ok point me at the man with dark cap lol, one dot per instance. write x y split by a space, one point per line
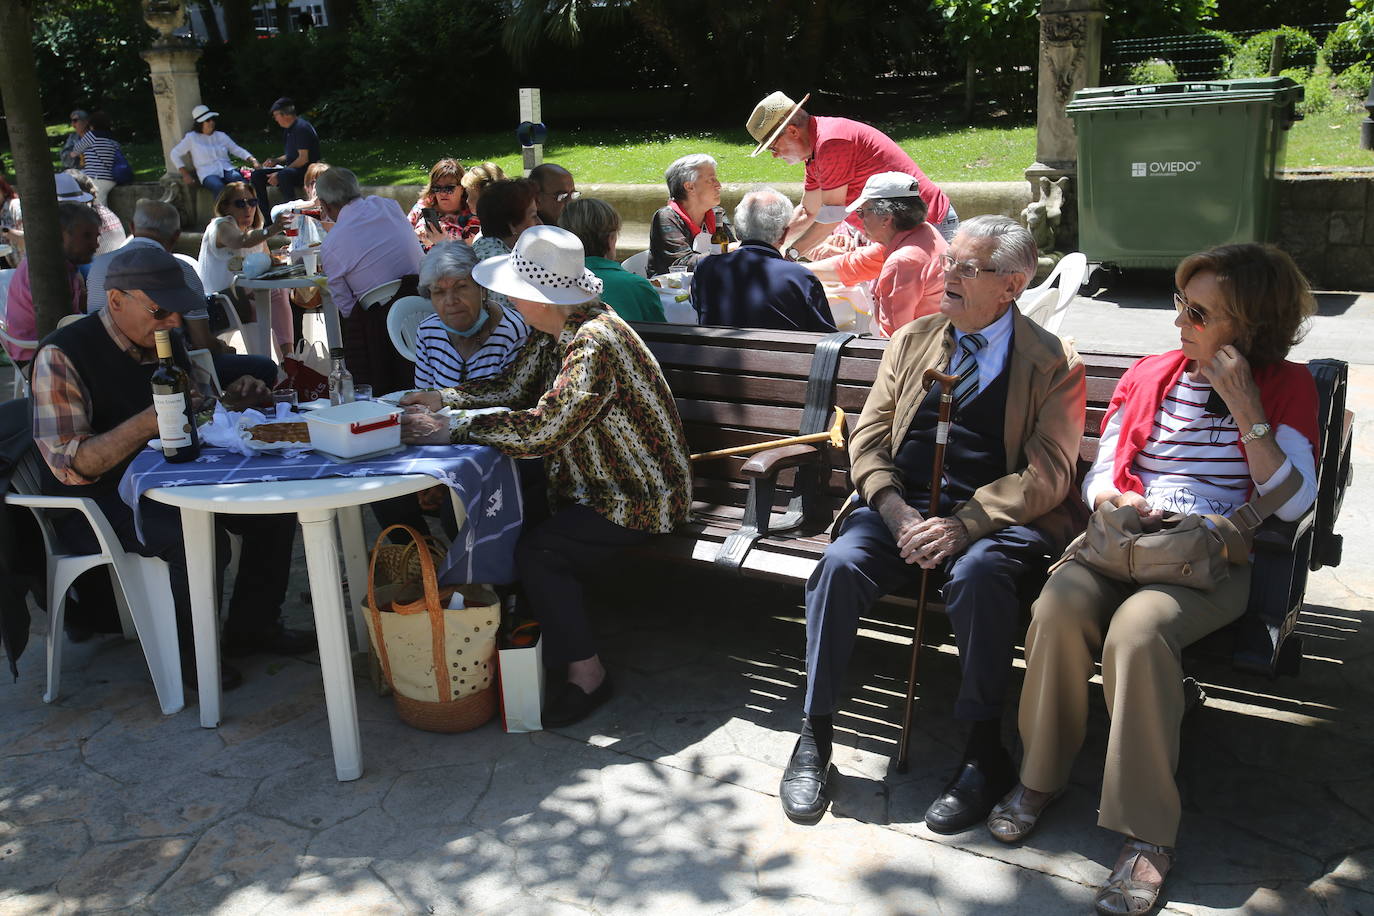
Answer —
93 412
301 147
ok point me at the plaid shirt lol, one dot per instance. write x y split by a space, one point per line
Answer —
62 405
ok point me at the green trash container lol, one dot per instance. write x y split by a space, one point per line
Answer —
1168 169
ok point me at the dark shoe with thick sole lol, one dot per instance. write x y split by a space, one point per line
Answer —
802 790
571 704
229 677
277 640
969 798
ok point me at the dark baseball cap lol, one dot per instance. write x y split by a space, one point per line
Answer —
279 104
157 274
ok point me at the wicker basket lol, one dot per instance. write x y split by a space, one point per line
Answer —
418 641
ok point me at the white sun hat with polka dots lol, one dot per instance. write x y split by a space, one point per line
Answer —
547 265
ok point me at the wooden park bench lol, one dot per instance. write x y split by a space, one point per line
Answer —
769 514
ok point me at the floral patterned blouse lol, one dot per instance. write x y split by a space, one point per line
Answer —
457 227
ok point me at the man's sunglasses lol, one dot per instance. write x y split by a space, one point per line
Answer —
444 188
1195 316
158 314
244 203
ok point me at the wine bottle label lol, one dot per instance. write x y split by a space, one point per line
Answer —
172 425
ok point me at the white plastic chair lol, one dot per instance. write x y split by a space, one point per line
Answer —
142 587
1046 309
234 335
379 294
637 263
403 323
21 384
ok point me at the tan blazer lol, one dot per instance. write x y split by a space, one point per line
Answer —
1044 423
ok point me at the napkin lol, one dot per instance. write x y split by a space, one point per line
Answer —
229 429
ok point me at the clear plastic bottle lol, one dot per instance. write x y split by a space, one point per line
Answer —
340 379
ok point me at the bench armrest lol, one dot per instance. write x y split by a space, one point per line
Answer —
770 461
1276 536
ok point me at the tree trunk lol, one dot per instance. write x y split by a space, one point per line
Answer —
52 297
970 73
207 15
283 12
238 22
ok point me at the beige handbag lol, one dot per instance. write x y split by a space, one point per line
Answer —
439 661
1192 550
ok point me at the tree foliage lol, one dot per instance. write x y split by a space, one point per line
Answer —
87 56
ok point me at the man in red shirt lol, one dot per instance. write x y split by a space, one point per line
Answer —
840 155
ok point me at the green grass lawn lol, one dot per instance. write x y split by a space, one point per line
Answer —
948 154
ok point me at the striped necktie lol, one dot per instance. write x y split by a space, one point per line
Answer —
966 367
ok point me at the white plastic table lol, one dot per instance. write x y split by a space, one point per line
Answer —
262 309
316 503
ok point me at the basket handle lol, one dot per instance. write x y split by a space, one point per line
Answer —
430 603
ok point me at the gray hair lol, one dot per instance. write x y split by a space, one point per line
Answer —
763 215
684 170
594 222
906 212
1015 252
84 181
71 214
156 219
337 187
445 260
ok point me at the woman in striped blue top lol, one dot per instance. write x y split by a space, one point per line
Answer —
471 335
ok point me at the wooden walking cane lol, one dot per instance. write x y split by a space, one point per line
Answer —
835 436
946 383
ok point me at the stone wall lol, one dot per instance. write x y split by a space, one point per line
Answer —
1326 222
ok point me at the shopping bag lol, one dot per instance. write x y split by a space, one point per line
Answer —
308 384
314 353
520 667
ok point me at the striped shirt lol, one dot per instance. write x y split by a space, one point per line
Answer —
97 155
438 364
1192 461
595 406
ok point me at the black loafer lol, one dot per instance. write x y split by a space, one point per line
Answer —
571 704
802 790
276 640
970 796
229 677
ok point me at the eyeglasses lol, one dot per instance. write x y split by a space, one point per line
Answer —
565 196
966 269
158 314
244 203
444 188
1195 316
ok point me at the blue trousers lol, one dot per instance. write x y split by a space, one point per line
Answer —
290 183
981 593
215 183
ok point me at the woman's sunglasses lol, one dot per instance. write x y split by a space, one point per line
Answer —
1195 316
444 188
244 203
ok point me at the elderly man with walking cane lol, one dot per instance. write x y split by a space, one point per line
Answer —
1017 407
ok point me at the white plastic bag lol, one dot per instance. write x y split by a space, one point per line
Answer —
521 670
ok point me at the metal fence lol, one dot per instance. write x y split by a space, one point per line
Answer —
1194 57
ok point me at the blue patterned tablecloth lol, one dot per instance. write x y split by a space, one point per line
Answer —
485 480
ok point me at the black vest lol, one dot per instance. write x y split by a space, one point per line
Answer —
975 455
118 388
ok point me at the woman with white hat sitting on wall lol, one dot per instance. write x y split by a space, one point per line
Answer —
587 396
209 150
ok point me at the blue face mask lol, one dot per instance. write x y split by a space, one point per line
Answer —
472 331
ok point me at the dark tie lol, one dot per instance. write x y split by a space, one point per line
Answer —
966 367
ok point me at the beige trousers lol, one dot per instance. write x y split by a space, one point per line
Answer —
1146 628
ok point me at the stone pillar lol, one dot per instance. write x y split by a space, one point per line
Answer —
176 86
1070 59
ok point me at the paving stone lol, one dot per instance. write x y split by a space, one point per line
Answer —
450 871
309 796
121 874
357 838
142 742
241 864
34 858
436 797
351 892
168 802
56 795
671 872
52 728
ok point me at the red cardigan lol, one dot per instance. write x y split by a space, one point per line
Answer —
1287 393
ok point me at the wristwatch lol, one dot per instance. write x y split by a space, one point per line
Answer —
792 254
1258 431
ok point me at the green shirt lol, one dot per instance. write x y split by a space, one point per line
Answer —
633 297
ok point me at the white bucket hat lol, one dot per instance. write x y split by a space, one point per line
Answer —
885 185
68 189
769 117
202 113
547 265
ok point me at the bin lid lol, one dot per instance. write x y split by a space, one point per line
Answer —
1277 90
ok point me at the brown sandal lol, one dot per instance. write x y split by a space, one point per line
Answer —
1126 895
1013 819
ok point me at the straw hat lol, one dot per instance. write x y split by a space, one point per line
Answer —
202 113
548 265
769 118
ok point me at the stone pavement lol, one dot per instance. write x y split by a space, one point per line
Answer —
666 800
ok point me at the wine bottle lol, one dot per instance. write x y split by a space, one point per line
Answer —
721 237
176 424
